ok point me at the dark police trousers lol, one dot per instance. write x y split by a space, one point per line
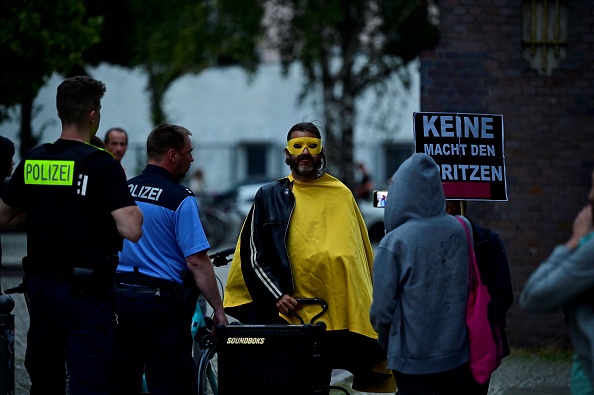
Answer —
72 329
152 335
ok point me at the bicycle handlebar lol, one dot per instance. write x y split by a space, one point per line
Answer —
19 289
221 258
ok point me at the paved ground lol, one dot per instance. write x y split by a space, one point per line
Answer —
522 373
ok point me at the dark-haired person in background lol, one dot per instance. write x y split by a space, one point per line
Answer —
116 142
6 157
97 142
491 259
6 166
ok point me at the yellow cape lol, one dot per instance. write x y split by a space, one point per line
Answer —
330 254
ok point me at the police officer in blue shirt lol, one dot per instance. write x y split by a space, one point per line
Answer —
77 208
153 331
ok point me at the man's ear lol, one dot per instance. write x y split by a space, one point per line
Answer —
172 155
287 157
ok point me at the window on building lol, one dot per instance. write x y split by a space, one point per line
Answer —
394 155
544 34
254 159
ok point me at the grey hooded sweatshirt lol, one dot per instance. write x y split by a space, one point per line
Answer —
420 275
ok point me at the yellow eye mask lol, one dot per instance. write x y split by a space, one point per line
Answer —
297 145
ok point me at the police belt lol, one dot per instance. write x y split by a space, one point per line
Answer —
63 273
142 280
68 267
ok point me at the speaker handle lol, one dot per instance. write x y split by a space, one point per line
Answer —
318 301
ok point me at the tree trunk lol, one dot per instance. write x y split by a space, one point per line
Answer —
339 114
347 117
157 88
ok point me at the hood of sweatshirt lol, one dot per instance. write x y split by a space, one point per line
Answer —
415 192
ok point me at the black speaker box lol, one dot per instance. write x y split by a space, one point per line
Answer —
272 359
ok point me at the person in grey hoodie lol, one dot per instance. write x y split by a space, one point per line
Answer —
565 280
420 288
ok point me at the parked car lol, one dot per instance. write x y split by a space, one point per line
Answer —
241 195
222 214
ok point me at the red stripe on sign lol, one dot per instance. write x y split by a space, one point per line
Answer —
467 190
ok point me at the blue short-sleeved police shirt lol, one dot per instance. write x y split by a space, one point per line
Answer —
171 230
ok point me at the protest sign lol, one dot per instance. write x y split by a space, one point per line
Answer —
468 148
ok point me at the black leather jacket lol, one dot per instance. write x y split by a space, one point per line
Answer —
264 259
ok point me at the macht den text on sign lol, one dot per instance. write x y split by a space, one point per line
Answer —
468 148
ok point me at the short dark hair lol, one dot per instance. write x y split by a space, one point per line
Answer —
97 142
6 154
163 138
304 127
106 139
312 128
76 96
456 207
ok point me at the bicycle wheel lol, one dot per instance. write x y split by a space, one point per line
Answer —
208 372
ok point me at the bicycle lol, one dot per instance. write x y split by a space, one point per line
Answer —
220 220
207 344
209 365
205 350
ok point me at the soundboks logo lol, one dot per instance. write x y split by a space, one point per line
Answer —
245 340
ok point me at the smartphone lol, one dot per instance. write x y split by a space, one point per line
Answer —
379 198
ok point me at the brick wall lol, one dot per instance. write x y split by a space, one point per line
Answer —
478 66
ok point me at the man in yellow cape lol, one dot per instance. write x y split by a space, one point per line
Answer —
304 237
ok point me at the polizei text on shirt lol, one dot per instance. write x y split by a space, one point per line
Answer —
145 192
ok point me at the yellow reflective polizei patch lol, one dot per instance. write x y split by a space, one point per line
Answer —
49 172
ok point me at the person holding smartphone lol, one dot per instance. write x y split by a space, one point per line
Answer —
420 287
382 200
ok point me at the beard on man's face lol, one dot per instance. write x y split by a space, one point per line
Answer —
307 169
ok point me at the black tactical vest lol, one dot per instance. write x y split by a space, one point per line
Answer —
68 224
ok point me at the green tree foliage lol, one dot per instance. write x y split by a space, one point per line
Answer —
346 47
38 38
170 39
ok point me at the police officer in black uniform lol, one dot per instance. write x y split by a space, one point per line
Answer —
74 199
